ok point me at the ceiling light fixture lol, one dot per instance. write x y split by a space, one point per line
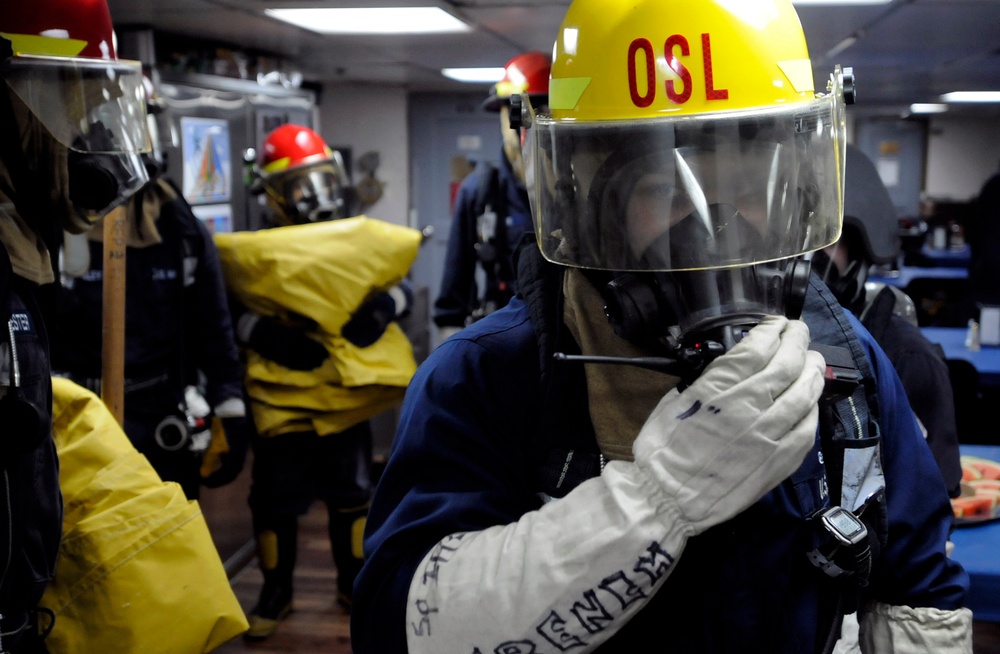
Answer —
474 75
928 108
374 20
971 96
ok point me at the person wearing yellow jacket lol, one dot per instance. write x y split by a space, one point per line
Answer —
298 461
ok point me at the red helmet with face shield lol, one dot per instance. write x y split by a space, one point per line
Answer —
61 74
527 74
304 179
79 28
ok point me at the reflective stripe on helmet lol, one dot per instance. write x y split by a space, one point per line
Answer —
44 45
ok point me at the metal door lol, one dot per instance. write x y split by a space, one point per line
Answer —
444 129
898 149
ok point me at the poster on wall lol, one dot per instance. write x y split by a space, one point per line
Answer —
888 171
218 218
205 154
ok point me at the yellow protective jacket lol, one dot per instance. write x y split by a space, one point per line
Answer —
138 571
323 272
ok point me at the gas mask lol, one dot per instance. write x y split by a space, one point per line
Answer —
80 127
309 194
691 316
692 230
315 196
848 286
100 176
690 308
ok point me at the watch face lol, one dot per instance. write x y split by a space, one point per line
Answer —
844 523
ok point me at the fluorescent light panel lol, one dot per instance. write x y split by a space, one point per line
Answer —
476 75
375 20
928 108
971 96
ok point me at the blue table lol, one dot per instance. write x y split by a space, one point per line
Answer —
952 340
952 258
977 548
907 274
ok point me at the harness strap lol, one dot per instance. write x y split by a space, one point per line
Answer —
488 190
856 417
492 247
850 441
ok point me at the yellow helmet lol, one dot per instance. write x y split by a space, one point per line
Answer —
623 60
676 125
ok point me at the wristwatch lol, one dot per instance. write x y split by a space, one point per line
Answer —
849 553
844 525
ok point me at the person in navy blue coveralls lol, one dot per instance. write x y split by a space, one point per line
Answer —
673 438
182 367
491 212
870 237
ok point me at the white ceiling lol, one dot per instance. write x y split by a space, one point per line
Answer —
906 51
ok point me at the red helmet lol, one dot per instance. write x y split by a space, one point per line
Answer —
291 146
57 57
60 28
64 68
526 73
304 179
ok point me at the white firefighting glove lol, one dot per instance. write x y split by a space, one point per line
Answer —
889 629
741 428
572 573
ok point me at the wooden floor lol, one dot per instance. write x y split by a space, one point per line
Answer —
317 624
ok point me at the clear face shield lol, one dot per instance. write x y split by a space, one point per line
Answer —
163 136
699 221
96 110
314 193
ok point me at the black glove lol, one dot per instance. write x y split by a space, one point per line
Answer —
286 346
223 462
370 321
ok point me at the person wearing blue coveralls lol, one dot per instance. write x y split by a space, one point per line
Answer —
182 366
871 236
305 181
674 437
491 212
71 127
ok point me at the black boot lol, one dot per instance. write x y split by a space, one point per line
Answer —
276 548
347 527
